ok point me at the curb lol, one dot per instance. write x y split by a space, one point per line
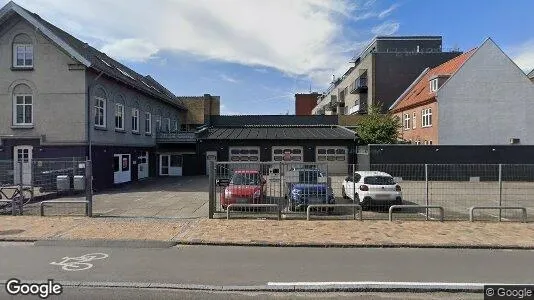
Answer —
335 245
169 244
414 287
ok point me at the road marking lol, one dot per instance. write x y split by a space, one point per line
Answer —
389 285
79 263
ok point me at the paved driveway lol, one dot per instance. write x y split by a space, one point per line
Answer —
180 197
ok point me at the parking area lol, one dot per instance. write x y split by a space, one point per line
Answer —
173 197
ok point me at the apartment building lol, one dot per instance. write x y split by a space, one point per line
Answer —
478 98
381 73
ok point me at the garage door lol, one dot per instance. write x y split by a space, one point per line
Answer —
244 154
287 153
335 157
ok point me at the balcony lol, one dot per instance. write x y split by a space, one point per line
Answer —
179 137
359 85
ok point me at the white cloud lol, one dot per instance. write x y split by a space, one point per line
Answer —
306 37
388 11
523 55
386 28
229 78
130 49
225 111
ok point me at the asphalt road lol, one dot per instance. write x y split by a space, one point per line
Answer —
242 266
134 294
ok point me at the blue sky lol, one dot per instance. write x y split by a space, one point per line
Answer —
257 54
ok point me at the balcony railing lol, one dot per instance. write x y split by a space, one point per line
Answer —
176 137
359 85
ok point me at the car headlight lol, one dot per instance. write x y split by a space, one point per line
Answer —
296 193
227 193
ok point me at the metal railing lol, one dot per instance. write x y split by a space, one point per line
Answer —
453 187
250 207
356 208
500 208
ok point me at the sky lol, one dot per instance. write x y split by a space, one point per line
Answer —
257 54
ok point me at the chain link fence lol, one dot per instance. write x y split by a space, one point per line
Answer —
289 188
25 183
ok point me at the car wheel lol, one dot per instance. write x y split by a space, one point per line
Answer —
365 204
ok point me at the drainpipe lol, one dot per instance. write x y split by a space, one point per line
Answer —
89 173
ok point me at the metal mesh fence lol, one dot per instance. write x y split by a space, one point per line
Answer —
33 181
455 187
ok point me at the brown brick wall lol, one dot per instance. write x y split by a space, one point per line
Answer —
419 133
304 103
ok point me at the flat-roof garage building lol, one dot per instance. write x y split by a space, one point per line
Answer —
297 139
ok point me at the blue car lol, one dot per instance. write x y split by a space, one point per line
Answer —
308 186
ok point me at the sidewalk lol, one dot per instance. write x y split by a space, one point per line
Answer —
270 232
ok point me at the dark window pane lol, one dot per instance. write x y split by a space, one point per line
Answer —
277 151
331 151
340 151
28 113
116 164
321 151
379 180
176 161
234 151
253 151
297 151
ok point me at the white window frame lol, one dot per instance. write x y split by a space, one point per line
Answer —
426 117
406 121
119 113
329 157
26 47
100 109
148 123
433 85
293 157
246 156
135 120
414 118
23 104
167 125
158 124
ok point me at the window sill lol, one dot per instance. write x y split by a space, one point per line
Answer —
21 68
148 133
120 130
100 128
22 126
136 132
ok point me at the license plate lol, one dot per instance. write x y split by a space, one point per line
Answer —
382 196
241 200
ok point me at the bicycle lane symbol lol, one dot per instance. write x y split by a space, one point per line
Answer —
79 263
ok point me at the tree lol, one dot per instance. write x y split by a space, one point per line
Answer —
378 128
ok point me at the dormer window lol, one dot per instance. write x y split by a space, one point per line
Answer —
433 85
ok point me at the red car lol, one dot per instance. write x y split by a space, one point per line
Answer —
245 186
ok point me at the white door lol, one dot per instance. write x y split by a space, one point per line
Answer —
142 166
164 161
210 156
170 165
122 169
22 154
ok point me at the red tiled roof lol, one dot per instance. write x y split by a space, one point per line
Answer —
420 91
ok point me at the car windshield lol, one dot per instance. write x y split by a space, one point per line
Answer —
379 180
245 179
309 176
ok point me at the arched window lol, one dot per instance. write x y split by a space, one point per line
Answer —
22 105
22 51
135 117
119 113
100 108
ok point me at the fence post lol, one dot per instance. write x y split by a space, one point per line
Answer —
211 206
89 188
500 191
282 195
426 190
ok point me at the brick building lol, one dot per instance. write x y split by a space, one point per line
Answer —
304 103
478 98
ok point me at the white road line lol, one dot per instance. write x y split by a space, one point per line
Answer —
385 283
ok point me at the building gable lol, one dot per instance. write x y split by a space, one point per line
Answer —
489 100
